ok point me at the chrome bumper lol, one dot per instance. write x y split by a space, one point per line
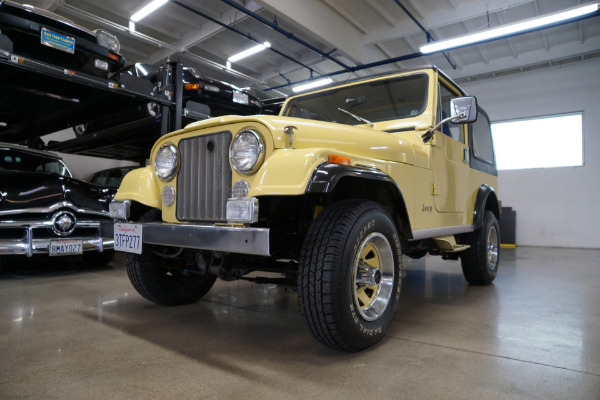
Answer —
30 246
202 237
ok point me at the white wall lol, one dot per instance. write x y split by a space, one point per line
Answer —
556 207
82 166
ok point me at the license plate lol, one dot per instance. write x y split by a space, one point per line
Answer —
128 238
58 41
65 247
239 97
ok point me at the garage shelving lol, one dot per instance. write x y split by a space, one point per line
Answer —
38 99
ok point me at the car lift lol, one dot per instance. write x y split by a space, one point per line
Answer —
38 99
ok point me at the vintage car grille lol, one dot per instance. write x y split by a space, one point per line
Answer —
204 180
44 227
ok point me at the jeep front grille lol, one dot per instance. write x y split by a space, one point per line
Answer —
204 180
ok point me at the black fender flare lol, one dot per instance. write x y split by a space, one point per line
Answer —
326 176
486 199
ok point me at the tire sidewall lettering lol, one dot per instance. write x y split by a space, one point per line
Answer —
384 226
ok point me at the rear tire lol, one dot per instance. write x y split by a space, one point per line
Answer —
350 274
480 261
152 278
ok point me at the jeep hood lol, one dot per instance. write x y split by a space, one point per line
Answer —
364 140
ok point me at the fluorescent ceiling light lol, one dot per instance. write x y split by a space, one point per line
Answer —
140 66
312 85
148 9
249 52
512 29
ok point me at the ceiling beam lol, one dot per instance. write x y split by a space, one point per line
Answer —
555 54
436 19
357 24
542 34
508 40
207 29
317 19
382 12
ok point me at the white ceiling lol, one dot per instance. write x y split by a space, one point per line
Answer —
334 36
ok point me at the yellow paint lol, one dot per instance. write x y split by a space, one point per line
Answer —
438 186
367 294
140 185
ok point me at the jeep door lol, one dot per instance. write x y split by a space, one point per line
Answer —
450 158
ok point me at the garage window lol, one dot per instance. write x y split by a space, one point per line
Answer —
542 142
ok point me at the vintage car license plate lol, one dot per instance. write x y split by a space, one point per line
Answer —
58 41
128 238
239 97
65 247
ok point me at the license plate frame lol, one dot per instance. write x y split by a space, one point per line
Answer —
65 247
57 41
128 237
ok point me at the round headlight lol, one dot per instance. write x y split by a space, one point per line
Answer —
246 152
166 162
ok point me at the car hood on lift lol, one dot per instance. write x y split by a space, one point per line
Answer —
24 190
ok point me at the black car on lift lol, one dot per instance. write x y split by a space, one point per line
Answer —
202 98
44 210
41 35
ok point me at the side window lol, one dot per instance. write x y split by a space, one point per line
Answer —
454 131
114 178
100 179
483 147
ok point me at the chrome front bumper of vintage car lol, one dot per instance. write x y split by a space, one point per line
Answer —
28 244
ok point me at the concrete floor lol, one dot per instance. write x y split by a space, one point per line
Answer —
68 331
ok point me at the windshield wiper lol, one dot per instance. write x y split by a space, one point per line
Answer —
356 117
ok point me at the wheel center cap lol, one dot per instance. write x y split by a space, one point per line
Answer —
377 277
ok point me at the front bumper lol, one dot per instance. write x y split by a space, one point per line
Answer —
227 239
30 246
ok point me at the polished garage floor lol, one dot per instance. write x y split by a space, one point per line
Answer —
72 332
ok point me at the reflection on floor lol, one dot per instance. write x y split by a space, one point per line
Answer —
72 331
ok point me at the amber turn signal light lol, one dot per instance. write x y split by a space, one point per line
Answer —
333 159
113 56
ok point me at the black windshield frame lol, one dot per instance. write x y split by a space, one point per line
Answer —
380 100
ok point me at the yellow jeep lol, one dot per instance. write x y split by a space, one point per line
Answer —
325 197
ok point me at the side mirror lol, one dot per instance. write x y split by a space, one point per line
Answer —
463 110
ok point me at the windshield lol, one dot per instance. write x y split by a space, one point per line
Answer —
383 100
15 160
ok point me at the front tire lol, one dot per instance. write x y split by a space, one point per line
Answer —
480 261
350 275
155 281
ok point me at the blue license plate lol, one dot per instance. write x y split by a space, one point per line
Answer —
58 41
65 247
